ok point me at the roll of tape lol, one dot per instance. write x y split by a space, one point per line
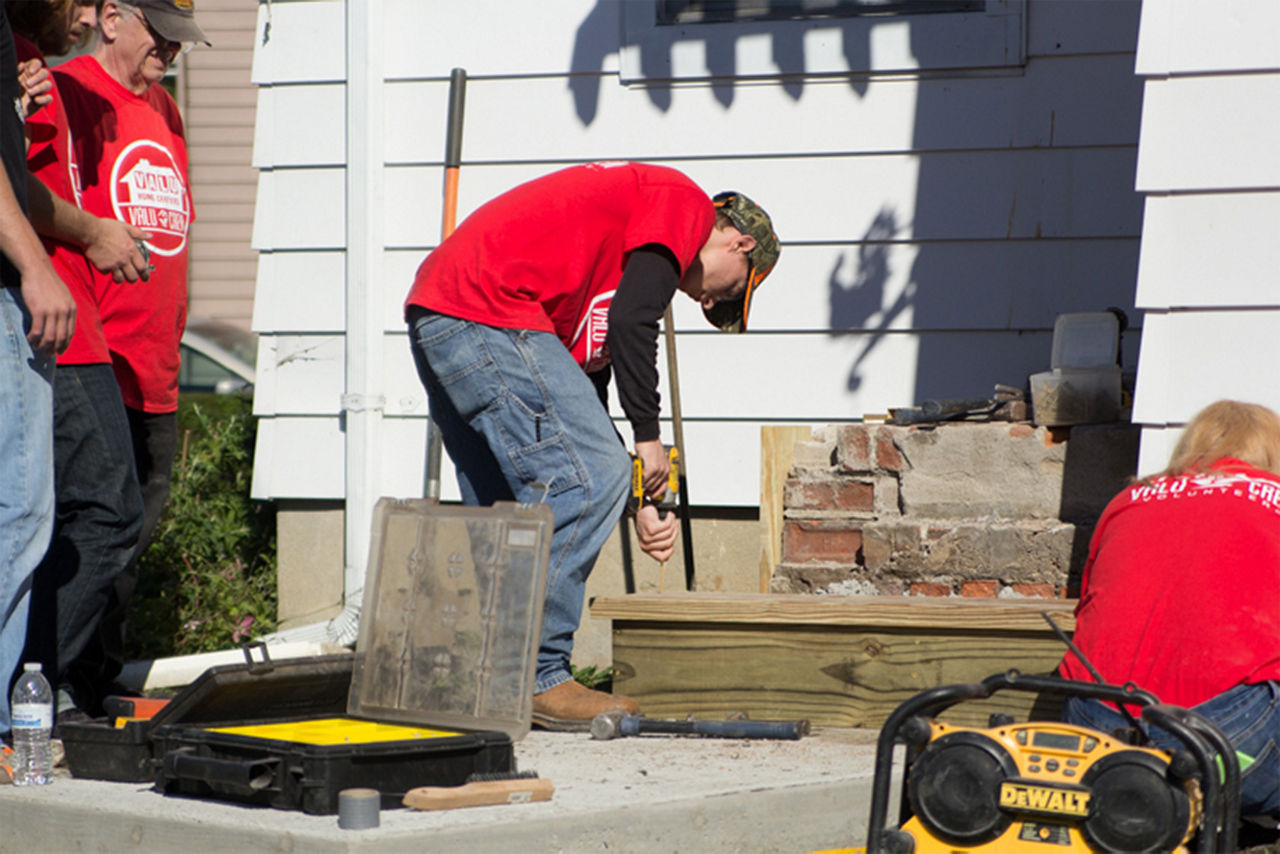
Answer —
358 808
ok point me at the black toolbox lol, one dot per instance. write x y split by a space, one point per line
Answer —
122 750
440 687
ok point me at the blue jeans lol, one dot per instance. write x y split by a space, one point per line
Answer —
520 419
1249 715
99 514
26 480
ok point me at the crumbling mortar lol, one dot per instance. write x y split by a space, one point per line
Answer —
830 515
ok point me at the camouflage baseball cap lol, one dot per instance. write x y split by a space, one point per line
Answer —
748 218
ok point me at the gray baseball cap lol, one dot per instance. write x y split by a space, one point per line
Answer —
173 19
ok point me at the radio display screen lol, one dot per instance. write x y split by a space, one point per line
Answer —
1056 740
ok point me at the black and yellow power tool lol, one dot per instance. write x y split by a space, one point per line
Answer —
670 500
1044 787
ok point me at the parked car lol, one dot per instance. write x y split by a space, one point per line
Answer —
217 357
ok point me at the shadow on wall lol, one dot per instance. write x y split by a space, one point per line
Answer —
597 38
861 303
989 241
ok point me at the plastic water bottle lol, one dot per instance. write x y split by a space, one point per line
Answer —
31 709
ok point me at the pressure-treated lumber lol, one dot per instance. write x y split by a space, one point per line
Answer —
777 452
838 661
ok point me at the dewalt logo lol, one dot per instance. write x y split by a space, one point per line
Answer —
1045 800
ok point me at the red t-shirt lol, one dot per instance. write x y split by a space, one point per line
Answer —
548 254
132 159
1181 591
50 160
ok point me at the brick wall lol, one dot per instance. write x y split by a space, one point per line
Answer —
960 509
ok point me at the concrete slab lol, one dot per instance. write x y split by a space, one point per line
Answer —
647 794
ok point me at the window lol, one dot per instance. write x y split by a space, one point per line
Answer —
692 40
718 11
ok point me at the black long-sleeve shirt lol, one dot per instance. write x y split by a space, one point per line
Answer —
648 283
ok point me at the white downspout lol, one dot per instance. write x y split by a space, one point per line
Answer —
364 400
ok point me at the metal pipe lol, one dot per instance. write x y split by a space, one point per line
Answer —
363 400
448 220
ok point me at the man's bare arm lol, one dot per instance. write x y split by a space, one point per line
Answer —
109 244
53 311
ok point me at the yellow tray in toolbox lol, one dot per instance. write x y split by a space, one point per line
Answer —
335 731
440 687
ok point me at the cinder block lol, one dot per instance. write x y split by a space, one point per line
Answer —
976 471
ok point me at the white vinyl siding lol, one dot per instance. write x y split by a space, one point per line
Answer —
1209 259
933 223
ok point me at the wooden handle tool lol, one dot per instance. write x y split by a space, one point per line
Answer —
487 793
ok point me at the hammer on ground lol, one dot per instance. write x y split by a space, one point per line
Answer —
616 725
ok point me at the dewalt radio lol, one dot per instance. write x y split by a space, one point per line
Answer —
1044 787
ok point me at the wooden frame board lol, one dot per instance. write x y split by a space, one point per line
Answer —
834 660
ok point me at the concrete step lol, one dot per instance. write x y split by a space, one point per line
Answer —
645 794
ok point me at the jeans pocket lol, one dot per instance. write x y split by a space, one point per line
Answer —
453 348
1260 782
548 461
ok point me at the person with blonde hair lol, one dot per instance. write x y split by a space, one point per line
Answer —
1181 591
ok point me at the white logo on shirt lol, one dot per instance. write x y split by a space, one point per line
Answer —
588 345
147 190
1262 490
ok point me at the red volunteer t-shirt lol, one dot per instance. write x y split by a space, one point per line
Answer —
50 160
132 159
548 254
1181 591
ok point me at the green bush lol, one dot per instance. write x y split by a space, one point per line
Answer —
208 579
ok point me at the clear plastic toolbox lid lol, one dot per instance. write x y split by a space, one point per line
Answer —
452 614
1085 340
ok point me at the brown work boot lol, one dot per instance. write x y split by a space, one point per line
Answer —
571 706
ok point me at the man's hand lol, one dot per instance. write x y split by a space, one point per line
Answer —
37 86
112 247
657 535
656 467
52 308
